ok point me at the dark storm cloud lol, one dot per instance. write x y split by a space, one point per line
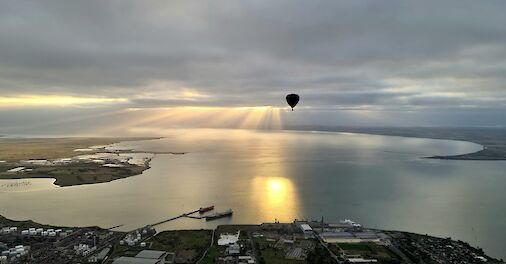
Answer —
241 53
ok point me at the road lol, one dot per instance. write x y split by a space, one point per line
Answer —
207 250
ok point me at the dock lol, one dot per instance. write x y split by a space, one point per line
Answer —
114 227
200 210
176 217
195 217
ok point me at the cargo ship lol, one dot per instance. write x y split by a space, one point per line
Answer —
229 212
206 209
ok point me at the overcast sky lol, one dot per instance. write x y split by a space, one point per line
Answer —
426 58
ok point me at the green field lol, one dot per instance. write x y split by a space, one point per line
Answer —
182 239
269 254
211 255
369 250
277 256
189 245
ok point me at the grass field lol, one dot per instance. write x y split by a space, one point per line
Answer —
211 255
182 239
273 255
188 245
370 250
277 256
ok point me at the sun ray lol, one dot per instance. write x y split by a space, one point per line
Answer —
203 117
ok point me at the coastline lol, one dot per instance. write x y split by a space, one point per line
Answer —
492 140
404 247
82 161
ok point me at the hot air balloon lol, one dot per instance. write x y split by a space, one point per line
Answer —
292 100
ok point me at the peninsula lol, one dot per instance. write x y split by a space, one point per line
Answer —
493 140
71 161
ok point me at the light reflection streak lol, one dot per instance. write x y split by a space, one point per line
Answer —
274 194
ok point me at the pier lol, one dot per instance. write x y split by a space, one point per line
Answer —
177 217
190 215
194 217
114 227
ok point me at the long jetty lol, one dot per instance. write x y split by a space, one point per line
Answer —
114 227
176 217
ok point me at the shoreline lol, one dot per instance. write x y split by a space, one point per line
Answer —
403 246
78 163
492 141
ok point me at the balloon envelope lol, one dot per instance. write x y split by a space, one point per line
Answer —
292 100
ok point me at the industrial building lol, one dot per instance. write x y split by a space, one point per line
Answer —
227 239
144 257
133 260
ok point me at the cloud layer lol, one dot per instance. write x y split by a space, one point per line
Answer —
356 54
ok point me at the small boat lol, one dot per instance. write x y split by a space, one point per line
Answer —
229 212
206 209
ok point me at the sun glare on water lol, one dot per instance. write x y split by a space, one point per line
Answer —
278 199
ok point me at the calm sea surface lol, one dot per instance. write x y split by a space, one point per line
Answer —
382 182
